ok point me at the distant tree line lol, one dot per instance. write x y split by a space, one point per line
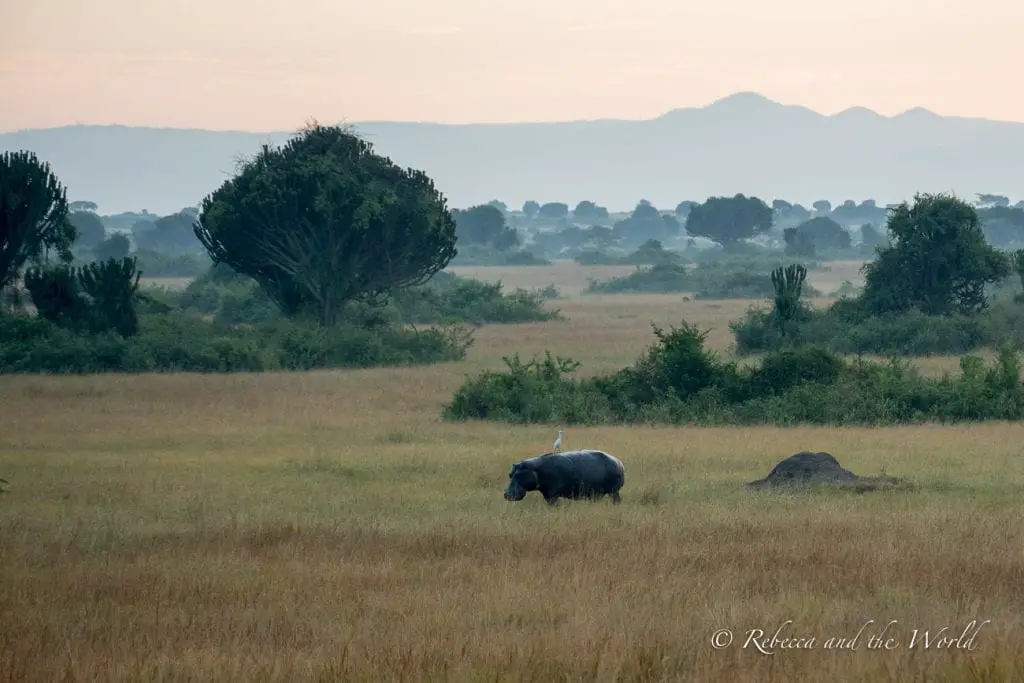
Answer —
849 229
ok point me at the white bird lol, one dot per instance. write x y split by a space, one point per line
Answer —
558 441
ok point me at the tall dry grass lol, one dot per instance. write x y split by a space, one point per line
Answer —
327 526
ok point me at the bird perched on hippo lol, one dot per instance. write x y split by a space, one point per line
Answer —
589 474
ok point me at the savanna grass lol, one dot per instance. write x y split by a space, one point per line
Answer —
328 526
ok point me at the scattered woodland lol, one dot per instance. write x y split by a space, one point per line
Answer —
365 280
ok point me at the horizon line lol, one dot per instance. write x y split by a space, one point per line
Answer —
749 96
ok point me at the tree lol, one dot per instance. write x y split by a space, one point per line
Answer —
872 236
788 284
499 205
141 226
1002 225
672 225
554 210
171 234
324 220
531 209
56 294
1017 264
83 205
652 251
33 214
988 201
784 212
572 237
849 213
111 288
938 261
798 243
728 220
644 211
824 233
683 208
646 223
484 225
600 236
822 206
117 247
95 298
89 230
589 211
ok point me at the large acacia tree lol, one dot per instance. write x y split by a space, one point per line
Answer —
727 220
324 220
33 214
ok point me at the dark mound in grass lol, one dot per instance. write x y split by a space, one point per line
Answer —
817 469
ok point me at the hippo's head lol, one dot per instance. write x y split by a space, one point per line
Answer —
521 480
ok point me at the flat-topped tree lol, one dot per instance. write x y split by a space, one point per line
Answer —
324 220
727 220
83 205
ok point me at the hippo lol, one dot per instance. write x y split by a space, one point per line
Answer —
589 474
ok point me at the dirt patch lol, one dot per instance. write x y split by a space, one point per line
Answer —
821 469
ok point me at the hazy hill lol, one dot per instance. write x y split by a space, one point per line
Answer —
742 143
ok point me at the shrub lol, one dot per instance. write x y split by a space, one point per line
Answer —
179 342
93 298
309 347
159 264
845 328
525 258
749 257
535 391
477 255
679 381
708 280
650 252
660 279
781 371
445 298
472 301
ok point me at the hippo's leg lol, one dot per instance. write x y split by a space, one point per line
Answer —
552 501
616 499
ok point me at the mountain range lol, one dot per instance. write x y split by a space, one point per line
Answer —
742 143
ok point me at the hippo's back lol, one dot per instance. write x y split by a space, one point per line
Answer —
587 465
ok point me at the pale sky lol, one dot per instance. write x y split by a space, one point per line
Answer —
264 65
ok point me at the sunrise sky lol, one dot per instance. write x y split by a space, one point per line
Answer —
269 65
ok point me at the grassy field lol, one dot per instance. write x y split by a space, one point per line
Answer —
572 278
327 526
